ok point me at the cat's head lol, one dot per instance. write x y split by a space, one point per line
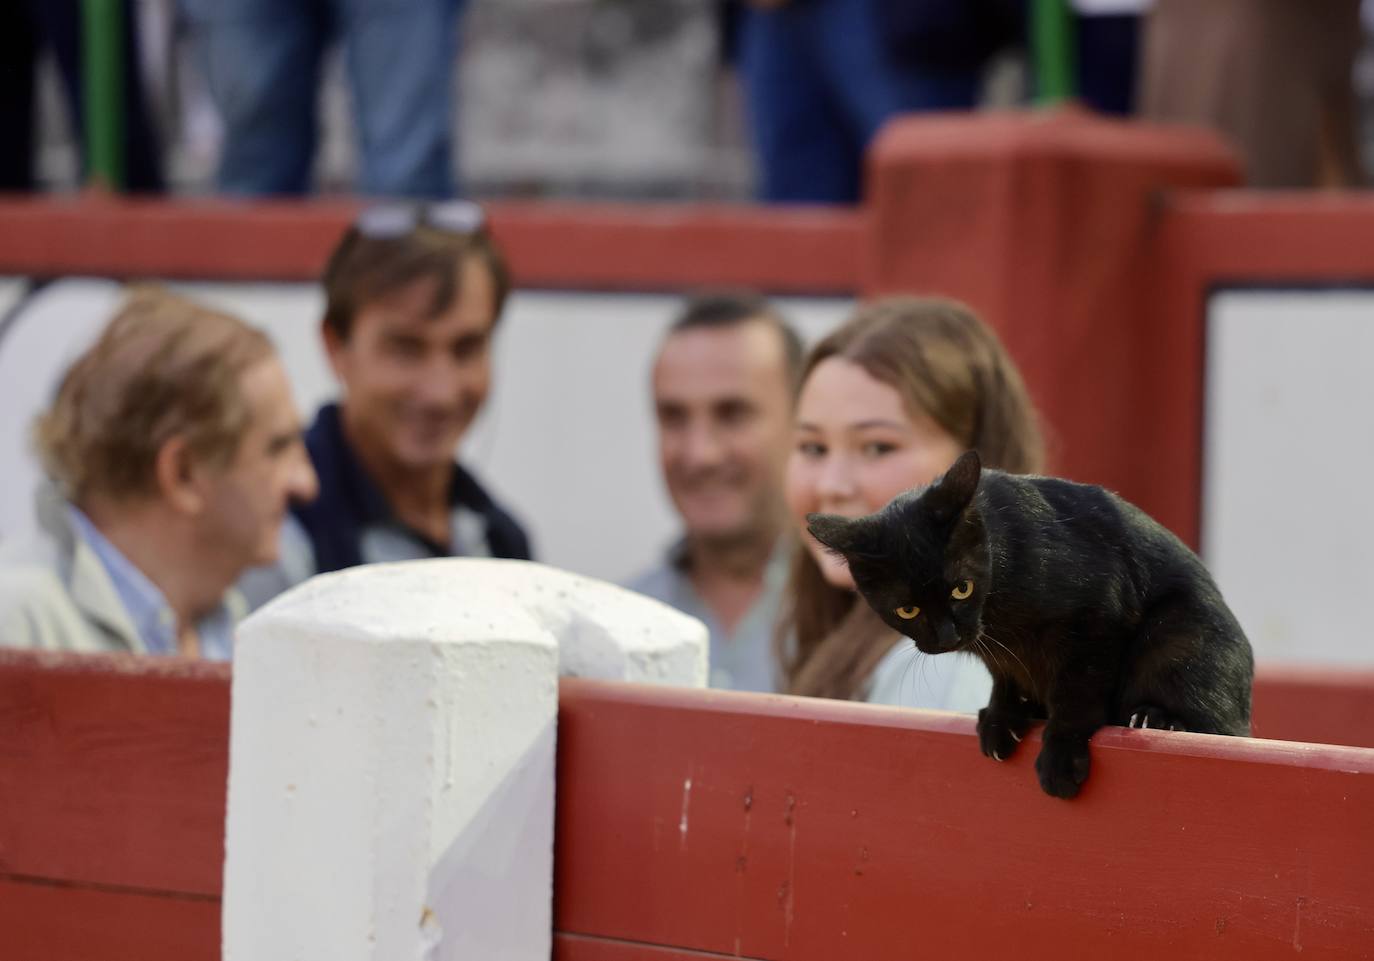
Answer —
922 561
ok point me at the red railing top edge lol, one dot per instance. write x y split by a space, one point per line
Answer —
822 711
1242 202
1270 238
577 692
1316 675
560 244
1069 130
135 665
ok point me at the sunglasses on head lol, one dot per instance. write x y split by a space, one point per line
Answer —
384 221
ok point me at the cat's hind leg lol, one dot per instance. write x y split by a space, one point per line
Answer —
1190 669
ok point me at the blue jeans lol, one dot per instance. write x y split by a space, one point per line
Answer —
819 81
262 61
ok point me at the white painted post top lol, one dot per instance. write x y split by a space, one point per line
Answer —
392 752
601 630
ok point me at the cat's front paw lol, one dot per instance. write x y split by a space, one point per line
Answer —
1063 766
998 733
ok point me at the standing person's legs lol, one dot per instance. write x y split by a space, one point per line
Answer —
261 61
18 57
142 139
869 80
929 53
805 152
401 58
1106 47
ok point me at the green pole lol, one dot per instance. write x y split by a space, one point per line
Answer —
1052 50
102 56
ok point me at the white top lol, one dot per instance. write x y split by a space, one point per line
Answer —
946 682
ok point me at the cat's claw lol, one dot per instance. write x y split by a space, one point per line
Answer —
1154 717
998 734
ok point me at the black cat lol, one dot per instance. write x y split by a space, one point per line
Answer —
1085 610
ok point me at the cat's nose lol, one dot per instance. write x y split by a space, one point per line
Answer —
947 636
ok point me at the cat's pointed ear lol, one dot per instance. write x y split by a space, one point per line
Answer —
843 535
953 492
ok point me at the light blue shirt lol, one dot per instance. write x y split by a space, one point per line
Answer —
742 660
146 606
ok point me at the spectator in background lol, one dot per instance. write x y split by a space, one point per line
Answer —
722 386
173 449
27 29
412 296
1273 76
887 402
822 76
262 61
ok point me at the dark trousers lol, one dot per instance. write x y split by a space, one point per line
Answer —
26 28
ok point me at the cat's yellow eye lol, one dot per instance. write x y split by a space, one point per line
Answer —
962 592
907 613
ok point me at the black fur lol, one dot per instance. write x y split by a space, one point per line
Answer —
1084 609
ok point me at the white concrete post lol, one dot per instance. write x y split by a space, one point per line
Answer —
392 755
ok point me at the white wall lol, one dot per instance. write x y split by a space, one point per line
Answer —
567 439
1288 507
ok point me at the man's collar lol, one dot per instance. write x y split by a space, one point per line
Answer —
141 599
142 602
87 581
334 457
679 557
330 448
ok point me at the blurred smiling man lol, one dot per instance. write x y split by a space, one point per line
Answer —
722 386
413 294
173 450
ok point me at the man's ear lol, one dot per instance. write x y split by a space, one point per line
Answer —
848 536
954 491
177 477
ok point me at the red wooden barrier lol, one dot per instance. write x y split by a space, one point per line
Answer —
1051 227
1212 240
775 828
113 773
1321 705
695 824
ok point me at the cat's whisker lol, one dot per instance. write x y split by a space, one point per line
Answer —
1009 651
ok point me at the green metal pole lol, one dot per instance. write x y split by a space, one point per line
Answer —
1052 50
102 55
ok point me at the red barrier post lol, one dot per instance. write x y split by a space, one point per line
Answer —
1049 225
